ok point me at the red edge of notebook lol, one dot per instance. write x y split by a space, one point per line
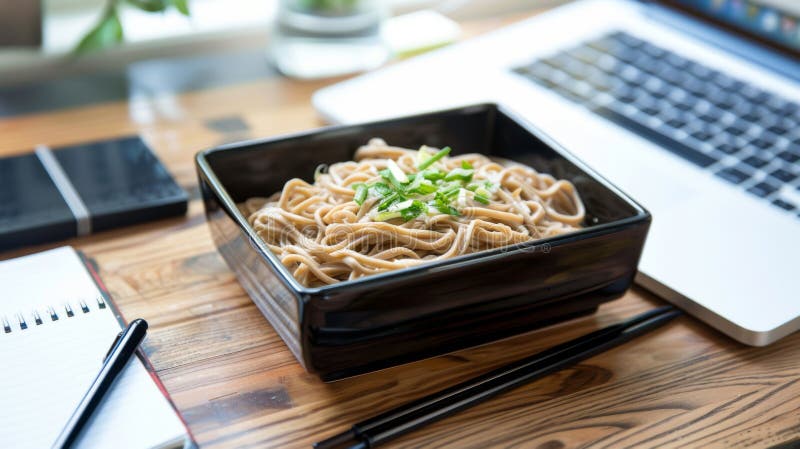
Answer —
87 263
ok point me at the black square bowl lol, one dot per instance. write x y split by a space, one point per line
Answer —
400 316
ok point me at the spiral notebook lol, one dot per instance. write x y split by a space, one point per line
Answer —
57 325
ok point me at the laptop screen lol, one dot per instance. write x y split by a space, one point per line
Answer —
775 22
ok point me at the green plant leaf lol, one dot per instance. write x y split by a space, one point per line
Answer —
107 33
182 6
150 5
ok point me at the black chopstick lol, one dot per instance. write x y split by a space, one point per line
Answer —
408 417
122 350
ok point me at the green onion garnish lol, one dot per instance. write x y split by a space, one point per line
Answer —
407 210
440 154
444 207
459 174
389 176
449 191
398 173
381 189
409 195
415 209
391 199
386 216
425 188
432 174
481 198
420 185
361 193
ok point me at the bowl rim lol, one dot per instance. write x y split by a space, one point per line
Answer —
641 214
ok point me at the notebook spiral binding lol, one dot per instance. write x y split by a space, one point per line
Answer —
38 317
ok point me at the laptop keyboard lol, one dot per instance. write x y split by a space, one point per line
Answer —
745 135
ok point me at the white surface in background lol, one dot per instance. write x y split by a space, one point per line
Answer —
419 30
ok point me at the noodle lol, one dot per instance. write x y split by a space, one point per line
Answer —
394 208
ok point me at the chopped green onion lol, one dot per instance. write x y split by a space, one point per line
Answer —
420 185
472 186
414 210
440 154
397 172
402 205
361 193
466 165
442 199
407 210
389 176
449 191
416 181
425 188
381 189
432 174
481 198
444 207
422 154
459 174
386 216
391 199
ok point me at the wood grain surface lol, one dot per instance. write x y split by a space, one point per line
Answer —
238 386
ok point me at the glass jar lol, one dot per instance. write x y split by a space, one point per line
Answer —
323 38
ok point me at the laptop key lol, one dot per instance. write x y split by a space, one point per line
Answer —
783 175
754 94
755 161
711 116
584 54
701 71
627 39
737 128
778 129
790 109
785 205
727 148
702 135
625 54
676 123
775 104
763 142
762 189
677 61
725 82
789 156
600 82
695 86
536 70
678 148
602 44
733 174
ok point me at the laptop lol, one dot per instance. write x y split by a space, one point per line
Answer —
691 106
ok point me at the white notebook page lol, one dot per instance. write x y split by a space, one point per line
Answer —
47 368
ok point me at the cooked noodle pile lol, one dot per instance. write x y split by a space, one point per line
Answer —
394 208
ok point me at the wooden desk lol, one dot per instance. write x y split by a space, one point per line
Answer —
237 385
